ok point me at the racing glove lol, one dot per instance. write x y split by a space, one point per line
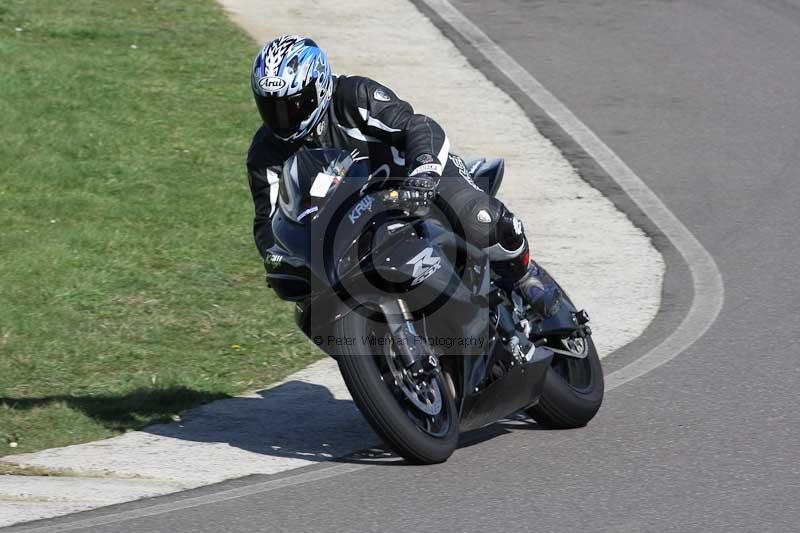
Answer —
421 188
414 194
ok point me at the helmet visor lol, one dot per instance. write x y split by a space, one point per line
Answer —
284 114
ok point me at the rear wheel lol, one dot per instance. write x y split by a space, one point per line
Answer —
417 417
573 388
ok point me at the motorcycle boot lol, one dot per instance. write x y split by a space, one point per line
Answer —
510 260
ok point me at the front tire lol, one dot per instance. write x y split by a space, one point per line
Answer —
573 391
391 415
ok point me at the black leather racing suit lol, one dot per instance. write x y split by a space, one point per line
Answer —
368 117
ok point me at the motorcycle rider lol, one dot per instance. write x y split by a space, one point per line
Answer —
303 105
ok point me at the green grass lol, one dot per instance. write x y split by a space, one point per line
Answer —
130 288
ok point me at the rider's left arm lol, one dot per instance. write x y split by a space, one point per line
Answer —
380 113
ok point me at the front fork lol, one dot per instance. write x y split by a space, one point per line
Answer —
410 347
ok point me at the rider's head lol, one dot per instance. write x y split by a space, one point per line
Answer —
292 84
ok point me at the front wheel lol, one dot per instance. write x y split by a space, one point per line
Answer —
573 388
417 417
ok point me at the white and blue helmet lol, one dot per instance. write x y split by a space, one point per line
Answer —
292 85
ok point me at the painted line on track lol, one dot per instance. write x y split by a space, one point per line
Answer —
709 292
198 501
706 278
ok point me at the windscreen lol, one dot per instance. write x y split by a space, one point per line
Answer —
309 176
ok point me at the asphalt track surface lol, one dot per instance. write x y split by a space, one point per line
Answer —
702 101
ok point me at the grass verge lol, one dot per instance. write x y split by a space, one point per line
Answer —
129 285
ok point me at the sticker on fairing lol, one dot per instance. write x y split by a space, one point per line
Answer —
309 211
425 265
364 205
321 185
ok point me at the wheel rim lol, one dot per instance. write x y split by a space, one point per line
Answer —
577 373
422 399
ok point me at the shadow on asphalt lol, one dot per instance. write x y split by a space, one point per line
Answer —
304 421
383 456
296 419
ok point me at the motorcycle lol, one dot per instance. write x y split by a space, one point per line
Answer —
427 342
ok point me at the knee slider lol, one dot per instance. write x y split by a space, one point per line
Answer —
510 255
508 239
510 232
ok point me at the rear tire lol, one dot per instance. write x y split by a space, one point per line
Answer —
566 401
379 402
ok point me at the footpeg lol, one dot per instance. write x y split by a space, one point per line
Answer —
580 317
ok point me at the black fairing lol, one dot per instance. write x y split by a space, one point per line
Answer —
336 249
290 269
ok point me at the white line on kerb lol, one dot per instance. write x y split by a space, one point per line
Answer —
708 287
198 501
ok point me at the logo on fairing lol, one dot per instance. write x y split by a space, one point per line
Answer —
362 206
309 211
425 265
271 84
